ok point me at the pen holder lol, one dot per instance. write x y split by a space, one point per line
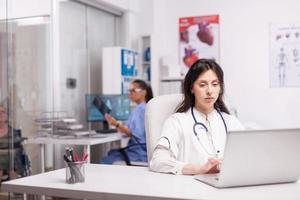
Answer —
75 172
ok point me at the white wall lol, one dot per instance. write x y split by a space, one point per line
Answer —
244 46
117 4
144 14
244 52
3 5
24 8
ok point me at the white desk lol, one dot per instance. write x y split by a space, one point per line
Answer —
138 183
87 142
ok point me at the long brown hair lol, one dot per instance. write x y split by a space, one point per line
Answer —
199 67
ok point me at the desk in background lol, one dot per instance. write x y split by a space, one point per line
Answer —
138 183
87 142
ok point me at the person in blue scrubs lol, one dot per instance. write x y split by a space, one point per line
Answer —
140 93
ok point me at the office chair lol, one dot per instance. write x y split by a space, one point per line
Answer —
127 161
158 110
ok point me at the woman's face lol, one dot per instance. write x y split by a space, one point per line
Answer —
206 90
136 94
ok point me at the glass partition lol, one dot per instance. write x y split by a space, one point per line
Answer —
28 69
49 60
83 32
5 155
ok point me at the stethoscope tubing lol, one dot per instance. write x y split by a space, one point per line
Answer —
206 129
203 125
199 123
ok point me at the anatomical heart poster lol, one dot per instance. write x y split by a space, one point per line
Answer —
198 38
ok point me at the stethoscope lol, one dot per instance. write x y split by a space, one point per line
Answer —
199 126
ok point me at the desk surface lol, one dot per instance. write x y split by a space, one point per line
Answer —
97 139
123 182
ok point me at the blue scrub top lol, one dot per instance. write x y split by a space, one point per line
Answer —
136 124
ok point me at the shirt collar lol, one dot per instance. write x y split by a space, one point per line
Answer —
201 115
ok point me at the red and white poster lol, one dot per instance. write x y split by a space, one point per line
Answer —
198 38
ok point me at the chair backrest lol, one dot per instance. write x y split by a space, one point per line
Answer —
158 110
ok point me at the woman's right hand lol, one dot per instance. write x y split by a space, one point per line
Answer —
110 119
211 166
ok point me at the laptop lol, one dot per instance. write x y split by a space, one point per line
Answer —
256 157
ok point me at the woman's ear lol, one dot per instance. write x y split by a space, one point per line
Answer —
221 92
192 91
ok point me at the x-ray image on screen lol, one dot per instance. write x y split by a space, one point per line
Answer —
101 105
116 105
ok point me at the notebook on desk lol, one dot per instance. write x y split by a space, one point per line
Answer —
256 157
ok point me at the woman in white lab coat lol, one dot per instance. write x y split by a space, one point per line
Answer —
193 139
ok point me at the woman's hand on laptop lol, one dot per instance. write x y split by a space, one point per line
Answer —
212 165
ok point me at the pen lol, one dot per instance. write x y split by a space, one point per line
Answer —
85 156
66 158
218 157
217 154
67 153
75 157
71 155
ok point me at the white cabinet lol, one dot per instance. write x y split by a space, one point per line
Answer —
119 68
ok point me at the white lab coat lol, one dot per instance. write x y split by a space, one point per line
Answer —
178 144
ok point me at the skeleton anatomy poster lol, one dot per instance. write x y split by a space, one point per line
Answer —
285 55
198 38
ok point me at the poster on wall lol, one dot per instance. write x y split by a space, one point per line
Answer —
285 55
129 68
198 38
129 62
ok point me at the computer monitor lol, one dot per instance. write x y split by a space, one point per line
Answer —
97 105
